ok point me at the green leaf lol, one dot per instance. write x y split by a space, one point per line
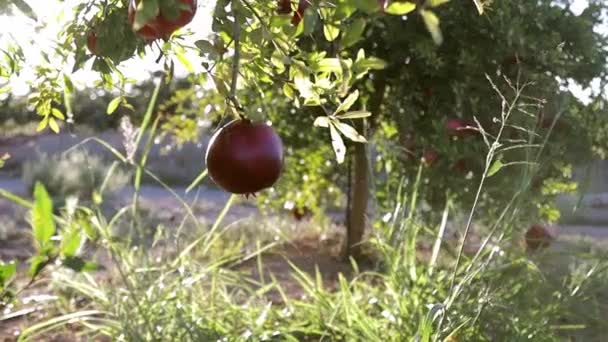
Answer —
358 114
372 63
310 21
113 105
367 6
277 60
344 9
42 216
322 121
57 113
432 25
53 125
348 102
312 101
181 57
350 132
329 65
7 271
205 47
146 11
25 8
353 33
400 7
435 3
68 85
88 229
37 264
79 265
288 90
331 32
42 124
338 144
71 241
496 166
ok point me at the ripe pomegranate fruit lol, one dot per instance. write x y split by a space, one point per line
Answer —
162 26
245 157
538 237
92 43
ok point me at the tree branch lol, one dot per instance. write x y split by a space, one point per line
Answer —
235 61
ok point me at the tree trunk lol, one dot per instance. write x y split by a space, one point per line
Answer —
360 197
361 178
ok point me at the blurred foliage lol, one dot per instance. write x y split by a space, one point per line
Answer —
292 75
76 174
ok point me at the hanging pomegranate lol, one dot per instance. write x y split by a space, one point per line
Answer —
538 237
163 26
92 43
245 157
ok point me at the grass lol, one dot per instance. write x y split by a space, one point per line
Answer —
263 280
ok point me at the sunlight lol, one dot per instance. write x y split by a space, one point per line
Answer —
53 14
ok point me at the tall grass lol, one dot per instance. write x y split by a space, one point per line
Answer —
193 288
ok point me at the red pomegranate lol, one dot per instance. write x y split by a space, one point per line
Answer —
245 157
161 26
92 43
538 237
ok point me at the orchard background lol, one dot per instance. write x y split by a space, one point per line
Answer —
443 165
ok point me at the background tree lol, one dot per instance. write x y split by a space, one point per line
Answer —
370 71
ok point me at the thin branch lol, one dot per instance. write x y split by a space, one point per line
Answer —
235 60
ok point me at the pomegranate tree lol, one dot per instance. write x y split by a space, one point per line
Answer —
245 157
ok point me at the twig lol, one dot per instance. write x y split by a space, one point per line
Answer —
235 61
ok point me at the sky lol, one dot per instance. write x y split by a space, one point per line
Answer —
58 12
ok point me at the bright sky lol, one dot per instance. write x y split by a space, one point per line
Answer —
57 12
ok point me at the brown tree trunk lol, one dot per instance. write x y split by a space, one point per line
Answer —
361 178
360 197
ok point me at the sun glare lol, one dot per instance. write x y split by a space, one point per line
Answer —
34 37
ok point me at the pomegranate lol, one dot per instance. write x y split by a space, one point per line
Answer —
161 26
147 32
92 43
245 157
538 237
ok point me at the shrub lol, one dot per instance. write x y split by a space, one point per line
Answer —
73 174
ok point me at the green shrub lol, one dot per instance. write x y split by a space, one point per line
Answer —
73 174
